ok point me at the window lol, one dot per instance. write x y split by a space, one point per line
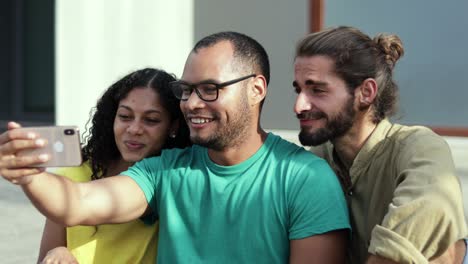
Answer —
27 61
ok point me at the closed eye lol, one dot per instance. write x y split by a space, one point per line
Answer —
317 90
152 121
124 117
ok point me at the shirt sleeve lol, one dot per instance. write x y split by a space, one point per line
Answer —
426 214
316 202
147 174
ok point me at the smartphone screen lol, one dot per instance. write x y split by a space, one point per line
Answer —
63 146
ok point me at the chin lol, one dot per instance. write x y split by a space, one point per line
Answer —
308 130
132 158
308 138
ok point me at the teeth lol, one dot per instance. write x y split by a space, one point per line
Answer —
200 120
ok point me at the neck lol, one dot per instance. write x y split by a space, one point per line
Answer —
348 146
115 168
233 155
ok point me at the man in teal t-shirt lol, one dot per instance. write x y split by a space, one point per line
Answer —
249 211
239 195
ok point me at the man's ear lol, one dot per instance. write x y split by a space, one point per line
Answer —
366 93
258 90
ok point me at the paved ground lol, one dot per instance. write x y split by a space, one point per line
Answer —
21 225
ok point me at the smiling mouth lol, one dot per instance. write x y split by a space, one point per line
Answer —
134 145
196 120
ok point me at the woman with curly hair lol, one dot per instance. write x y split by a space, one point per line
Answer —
136 117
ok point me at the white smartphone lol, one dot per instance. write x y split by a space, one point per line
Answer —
63 146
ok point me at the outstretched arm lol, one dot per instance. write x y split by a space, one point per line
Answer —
324 248
110 200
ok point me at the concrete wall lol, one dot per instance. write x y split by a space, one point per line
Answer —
277 25
433 76
98 42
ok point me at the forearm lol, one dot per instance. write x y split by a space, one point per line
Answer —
55 197
53 236
454 254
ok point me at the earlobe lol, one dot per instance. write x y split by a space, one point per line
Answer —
174 128
259 89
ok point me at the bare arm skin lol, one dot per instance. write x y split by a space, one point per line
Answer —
54 245
454 254
53 236
324 248
110 200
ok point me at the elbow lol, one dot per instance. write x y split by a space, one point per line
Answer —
70 223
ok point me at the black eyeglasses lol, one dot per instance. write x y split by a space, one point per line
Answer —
207 91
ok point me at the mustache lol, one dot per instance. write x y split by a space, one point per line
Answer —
311 115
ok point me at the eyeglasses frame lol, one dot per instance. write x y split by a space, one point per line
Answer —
218 86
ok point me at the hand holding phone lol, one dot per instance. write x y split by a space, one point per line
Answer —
63 146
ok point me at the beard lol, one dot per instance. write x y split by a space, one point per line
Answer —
335 126
228 134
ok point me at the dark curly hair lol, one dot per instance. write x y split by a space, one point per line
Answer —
100 149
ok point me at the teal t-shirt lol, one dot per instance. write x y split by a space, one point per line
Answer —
245 213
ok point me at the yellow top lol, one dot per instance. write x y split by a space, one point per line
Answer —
132 242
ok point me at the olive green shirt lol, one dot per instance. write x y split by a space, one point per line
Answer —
404 198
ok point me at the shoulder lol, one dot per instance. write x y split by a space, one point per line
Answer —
279 145
167 158
177 152
417 140
288 152
409 134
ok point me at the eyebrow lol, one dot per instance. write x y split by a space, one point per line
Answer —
201 82
309 83
146 112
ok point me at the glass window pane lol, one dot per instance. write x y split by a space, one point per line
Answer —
39 56
5 59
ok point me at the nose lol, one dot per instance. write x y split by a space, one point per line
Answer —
135 128
193 102
303 103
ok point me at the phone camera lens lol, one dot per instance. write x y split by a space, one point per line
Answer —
69 132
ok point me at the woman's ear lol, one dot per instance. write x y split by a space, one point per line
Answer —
174 128
366 93
258 90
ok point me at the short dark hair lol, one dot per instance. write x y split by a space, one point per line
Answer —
100 149
358 57
246 49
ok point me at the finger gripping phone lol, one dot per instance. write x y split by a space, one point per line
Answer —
63 146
